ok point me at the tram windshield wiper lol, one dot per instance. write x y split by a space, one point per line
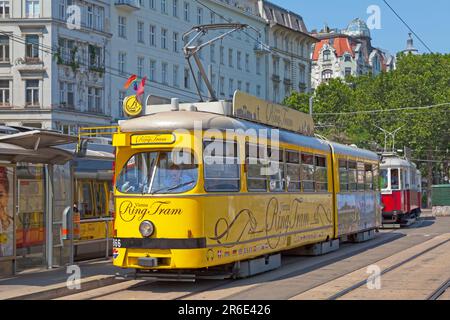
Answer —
174 187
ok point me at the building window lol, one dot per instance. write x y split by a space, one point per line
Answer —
176 82
122 63
327 75
4 93
187 77
152 70
33 8
238 58
212 53
287 70
222 86
4 9
164 6
32 46
258 90
95 57
4 48
175 8
199 16
67 97
153 36
258 65
163 38
140 66
230 87
276 66
122 96
32 92
247 87
165 67
122 27
327 55
247 62
222 55
95 100
348 72
230 58
175 41
152 4
302 73
239 85
186 11
276 92
140 32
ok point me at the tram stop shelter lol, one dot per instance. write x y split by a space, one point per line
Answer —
35 189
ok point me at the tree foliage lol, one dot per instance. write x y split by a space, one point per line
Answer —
418 81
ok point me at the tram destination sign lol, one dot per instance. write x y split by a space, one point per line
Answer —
152 139
253 109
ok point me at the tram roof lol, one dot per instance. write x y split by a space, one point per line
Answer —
171 121
391 161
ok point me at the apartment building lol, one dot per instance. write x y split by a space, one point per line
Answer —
52 72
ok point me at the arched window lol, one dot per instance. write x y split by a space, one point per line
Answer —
327 55
327 75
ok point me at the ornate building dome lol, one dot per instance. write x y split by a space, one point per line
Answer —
358 29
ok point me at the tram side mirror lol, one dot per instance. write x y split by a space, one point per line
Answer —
82 148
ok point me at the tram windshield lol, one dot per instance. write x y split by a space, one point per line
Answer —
158 173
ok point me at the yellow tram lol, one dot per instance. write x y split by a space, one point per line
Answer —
199 188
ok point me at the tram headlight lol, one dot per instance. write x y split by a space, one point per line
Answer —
146 228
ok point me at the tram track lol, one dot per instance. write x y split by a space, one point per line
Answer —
203 286
359 285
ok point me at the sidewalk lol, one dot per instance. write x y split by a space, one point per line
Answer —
45 284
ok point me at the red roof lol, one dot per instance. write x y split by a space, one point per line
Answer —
341 45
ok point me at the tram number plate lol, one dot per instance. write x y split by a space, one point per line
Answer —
116 243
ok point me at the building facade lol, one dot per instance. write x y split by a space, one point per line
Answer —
63 63
289 59
52 75
347 52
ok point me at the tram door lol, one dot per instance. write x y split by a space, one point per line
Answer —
30 228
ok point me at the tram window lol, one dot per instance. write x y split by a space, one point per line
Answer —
275 170
369 177
320 174
352 176
256 178
221 163
395 179
360 176
376 177
307 172
85 206
343 175
158 173
293 171
100 199
383 179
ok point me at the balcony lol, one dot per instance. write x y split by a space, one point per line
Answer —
276 78
287 81
30 64
127 5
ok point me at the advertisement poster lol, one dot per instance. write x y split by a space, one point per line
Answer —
6 212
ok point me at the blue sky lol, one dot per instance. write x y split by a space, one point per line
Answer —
430 19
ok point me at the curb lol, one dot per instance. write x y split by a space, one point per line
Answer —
61 290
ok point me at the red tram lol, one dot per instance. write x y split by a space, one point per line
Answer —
400 190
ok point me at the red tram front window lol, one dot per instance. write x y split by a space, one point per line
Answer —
395 179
